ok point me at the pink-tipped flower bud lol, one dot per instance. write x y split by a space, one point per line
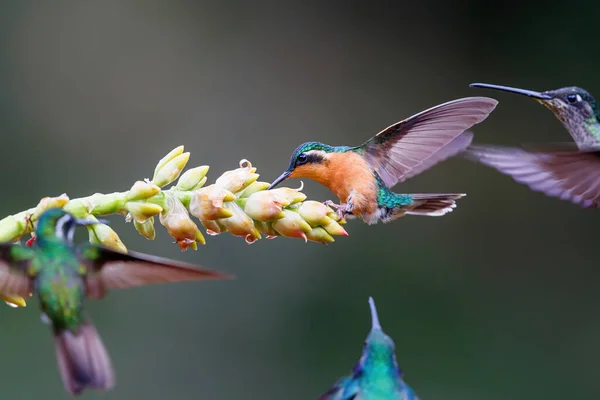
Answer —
292 225
206 204
239 224
238 179
268 205
180 226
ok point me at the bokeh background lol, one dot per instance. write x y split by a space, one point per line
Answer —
498 300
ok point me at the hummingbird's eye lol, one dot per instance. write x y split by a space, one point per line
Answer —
573 98
302 159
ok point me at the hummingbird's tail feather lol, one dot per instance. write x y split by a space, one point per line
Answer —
83 360
433 205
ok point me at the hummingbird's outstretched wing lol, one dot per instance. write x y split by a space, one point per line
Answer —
458 145
566 173
109 269
402 147
14 265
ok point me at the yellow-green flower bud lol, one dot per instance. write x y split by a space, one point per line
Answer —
179 224
171 170
50 202
13 301
320 235
292 225
11 228
253 188
146 228
239 224
142 211
266 228
104 235
335 216
163 161
207 203
191 179
239 178
142 190
314 212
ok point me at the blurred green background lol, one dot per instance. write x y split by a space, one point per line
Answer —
497 300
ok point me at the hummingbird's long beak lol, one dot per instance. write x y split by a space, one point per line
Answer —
525 92
90 222
281 178
374 317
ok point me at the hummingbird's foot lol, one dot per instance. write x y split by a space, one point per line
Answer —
341 209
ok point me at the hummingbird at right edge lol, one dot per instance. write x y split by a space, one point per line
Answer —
62 275
377 375
362 176
567 171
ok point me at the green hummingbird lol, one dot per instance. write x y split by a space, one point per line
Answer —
567 171
362 176
62 274
377 375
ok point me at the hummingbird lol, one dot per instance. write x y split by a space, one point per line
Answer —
377 375
62 274
362 176
566 170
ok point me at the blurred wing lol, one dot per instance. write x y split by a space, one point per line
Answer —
456 146
564 173
397 150
341 391
14 262
111 269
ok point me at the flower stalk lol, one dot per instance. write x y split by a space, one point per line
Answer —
236 203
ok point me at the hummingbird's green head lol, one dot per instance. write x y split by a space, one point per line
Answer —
570 104
379 348
56 224
308 161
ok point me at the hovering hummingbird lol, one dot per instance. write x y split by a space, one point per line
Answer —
361 176
567 171
62 275
377 375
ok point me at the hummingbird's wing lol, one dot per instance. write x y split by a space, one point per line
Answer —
109 269
343 389
402 147
14 265
566 173
456 146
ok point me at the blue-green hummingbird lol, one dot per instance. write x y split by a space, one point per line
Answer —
362 176
567 171
62 274
377 375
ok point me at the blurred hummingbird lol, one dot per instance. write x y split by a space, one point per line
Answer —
377 375
62 275
567 171
362 176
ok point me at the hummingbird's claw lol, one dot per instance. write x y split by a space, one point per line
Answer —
341 209
330 203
